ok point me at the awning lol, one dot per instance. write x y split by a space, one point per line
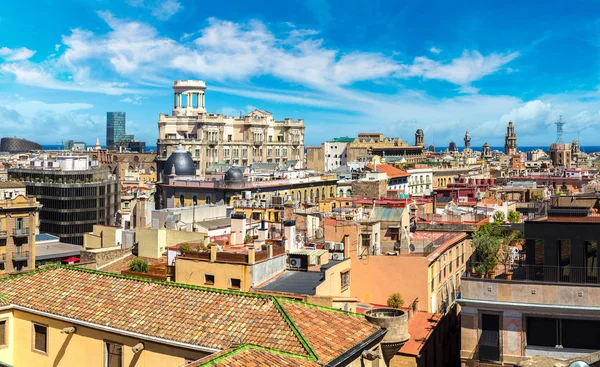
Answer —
71 260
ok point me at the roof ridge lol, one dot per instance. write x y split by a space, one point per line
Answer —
295 330
245 347
319 307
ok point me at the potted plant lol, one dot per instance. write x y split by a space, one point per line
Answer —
248 238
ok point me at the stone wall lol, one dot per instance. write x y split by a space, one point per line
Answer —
369 189
101 257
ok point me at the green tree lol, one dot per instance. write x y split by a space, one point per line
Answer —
395 300
486 244
499 217
138 265
185 247
513 216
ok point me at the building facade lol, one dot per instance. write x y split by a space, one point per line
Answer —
18 222
73 197
115 129
546 303
420 182
211 138
560 154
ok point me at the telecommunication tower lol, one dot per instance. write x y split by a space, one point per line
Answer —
559 129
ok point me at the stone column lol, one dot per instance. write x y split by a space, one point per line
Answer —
178 100
175 100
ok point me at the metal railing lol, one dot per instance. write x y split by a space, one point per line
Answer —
20 255
539 273
20 231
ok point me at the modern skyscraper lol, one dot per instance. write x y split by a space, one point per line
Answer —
115 129
510 141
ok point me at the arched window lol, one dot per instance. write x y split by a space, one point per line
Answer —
208 199
195 199
331 194
349 193
299 196
317 194
312 195
341 193
181 200
305 195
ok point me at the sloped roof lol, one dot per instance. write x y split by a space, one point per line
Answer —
270 166
252 356
194 316
390 171
387 214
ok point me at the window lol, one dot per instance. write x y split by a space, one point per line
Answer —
235 283
113 354
591 258
209 279
2 333
345 280
567 333
40 338
229 137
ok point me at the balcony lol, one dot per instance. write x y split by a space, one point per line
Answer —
295 142
539 273
258 142
489 353
212 142
2 258
20 232
20 256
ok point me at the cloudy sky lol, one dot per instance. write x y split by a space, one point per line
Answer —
343 66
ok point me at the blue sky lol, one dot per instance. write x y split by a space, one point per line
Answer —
343 66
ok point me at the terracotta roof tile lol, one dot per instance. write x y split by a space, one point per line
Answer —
252 357
328 334
391 171
188 314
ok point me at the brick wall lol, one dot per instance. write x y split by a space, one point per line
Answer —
102 257
369 189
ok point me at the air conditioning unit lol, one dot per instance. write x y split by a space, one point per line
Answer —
338 256
295 262
339 246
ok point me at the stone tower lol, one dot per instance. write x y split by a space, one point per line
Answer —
510 141
420 138
467 141
486 152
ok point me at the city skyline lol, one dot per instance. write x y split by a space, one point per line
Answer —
463 68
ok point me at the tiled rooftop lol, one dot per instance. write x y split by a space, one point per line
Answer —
187 314
249 356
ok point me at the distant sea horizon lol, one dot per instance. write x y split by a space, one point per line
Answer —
525 148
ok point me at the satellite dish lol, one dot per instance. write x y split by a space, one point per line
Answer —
411 247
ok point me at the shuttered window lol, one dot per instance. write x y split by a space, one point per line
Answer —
40 338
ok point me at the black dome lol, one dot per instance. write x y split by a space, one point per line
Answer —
182 161
234 174
420 131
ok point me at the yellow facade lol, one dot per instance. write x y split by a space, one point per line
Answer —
191 271
85 347
446 270
102 236
154 242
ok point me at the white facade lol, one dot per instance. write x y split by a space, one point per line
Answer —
210 138
335 154
420 181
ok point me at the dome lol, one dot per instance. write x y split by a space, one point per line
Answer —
419 131
486 144
234 174
182 161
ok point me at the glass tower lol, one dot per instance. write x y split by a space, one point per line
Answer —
115 129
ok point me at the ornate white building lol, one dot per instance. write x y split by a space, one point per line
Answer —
212 138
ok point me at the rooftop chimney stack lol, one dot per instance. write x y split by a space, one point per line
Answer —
289 232
238 226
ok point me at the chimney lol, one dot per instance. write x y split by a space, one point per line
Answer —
270 250
213 253
251 255
289 232
346 242
262 231
238 228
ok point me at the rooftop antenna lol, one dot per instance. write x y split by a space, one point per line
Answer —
559 129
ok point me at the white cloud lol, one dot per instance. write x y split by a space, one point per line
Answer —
50 123
435 50
136 100
471 66
16 54
160 9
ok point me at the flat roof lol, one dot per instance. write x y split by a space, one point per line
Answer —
298 282
215 223
54 250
